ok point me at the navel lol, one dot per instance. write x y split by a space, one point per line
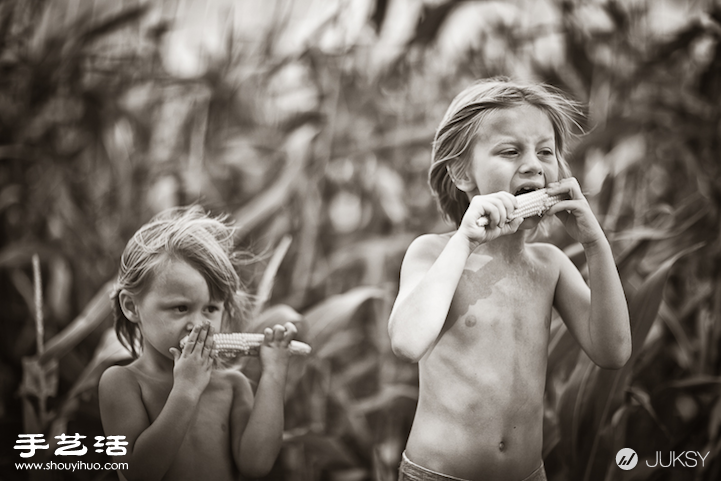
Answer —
501 446
471 321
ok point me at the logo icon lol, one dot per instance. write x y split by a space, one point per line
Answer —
627 459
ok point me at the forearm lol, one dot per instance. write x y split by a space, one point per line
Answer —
155 449
609 325
418 315
263 435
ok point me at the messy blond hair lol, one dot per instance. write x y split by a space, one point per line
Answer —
187 234
454 139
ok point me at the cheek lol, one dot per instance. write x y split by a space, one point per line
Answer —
552 173
489 181
216 319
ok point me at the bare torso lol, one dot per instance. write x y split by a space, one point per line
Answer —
206 449
480 409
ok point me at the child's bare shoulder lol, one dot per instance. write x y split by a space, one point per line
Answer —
544 250
118 378
553 260
119 388
427 246
547 253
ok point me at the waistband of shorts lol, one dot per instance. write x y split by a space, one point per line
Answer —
410 465
538 474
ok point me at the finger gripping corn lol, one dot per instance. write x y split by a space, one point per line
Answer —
530 204
247 344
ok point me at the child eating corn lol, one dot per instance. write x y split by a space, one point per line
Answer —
182 418
474 305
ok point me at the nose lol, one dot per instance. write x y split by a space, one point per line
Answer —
194 320
530 165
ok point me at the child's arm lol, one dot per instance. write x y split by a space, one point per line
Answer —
152 446
598 317
431 270
258 437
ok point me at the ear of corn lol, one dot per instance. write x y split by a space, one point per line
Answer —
530 204
233 344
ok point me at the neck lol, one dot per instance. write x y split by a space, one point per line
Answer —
509 246
155 361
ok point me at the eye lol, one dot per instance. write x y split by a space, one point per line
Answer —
509 152
212 309
181 308
546 153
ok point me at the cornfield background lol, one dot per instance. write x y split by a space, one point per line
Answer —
310 123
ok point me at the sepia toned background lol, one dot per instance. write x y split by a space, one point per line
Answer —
310 123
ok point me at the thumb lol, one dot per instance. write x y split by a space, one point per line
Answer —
516 223
175 352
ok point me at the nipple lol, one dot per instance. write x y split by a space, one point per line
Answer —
501 446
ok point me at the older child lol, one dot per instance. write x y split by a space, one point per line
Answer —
183 419
474 305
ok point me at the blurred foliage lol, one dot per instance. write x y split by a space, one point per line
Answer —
321 154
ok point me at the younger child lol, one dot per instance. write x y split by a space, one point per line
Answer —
474 305
182 418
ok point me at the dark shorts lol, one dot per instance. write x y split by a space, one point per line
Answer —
410 471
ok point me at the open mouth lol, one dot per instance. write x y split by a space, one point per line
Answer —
525 190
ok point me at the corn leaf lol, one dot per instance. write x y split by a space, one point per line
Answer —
94 314
594 393
336 313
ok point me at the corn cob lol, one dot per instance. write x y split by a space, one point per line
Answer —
530 204
229 345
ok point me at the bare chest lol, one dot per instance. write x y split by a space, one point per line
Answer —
497 301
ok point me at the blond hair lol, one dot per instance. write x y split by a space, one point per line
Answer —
453 142
187 234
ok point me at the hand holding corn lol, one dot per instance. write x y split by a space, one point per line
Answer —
575 212
192 366
230 345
